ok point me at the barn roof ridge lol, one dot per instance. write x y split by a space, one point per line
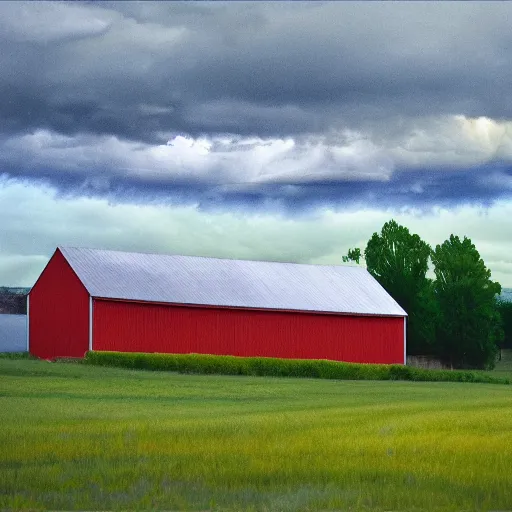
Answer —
199 280
76 247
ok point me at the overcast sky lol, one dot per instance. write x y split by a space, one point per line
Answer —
284 131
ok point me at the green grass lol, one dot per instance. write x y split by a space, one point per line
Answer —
79 437
16 355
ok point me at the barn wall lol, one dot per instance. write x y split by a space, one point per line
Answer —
59 312
139 327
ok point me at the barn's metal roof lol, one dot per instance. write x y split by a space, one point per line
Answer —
235 283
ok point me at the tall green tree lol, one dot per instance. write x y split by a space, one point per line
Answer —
469 329
399 260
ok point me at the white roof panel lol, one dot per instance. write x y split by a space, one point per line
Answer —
235 283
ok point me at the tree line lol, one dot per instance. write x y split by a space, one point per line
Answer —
12 303
455 315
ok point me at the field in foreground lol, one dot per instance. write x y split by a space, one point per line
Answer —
81 437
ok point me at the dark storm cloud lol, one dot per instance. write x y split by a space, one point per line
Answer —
266 69
422 189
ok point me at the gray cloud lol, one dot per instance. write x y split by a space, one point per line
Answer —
49 23
139 70
428 162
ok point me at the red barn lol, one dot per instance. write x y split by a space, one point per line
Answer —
88 299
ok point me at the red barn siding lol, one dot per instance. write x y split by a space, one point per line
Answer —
59 312
143 327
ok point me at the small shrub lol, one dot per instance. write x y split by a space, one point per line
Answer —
398 372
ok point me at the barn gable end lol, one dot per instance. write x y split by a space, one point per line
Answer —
58 312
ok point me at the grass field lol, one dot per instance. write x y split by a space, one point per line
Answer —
91 438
